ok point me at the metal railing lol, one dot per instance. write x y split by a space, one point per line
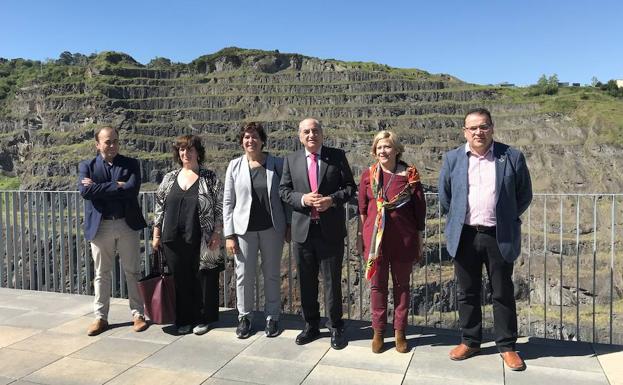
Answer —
568 279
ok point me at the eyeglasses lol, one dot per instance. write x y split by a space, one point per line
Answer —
483 127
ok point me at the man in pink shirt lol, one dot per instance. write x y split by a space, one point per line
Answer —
484 186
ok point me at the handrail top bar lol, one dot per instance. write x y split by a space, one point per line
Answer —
427 193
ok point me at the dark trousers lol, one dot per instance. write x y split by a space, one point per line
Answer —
312 256
209 284
476 249
183 261
401 274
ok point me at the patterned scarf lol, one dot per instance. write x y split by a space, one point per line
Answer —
376 182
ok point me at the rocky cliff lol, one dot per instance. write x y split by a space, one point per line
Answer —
47 121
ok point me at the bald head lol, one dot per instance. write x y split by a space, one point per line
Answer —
310 134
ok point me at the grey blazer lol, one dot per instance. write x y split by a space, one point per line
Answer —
237 195
513 194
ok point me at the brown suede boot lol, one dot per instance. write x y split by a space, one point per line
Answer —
377 341
401 342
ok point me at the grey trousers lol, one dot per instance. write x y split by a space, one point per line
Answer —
270 244
115 236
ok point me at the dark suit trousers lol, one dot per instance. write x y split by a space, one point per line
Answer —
312 256
476 249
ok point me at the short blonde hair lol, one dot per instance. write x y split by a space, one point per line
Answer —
393 138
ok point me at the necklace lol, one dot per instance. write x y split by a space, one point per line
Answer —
391 179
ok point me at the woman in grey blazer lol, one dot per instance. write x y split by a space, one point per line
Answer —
255 219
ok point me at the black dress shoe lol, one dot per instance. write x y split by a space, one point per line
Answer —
338 341
308 334
272 328
244 328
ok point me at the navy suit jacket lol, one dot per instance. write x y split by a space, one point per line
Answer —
513 194
335 179
124 169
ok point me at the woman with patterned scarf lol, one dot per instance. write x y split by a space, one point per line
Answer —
392 211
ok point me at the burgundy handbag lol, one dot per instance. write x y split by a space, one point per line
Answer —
158 292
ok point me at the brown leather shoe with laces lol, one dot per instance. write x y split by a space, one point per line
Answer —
462 352
97 327
139 324
513 361
377 341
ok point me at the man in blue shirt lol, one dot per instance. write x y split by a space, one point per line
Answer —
110 184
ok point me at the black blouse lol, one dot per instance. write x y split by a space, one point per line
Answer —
259 218
182 215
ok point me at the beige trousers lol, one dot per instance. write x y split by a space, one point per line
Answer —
115 236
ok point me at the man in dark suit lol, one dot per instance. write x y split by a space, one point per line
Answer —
317 182
485 187
110 184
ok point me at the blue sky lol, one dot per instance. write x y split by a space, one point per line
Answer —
478 41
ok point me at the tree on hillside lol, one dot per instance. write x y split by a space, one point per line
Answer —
545 86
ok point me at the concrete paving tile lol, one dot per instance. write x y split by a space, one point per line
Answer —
222 381
482 369
118 351
6 313
53 302
151 376
73 371
327 375
153 334
264 370
423 380
611 359
11 334
56 343
19 363
22 382
5 380
554 376
119 313
284 348
38 320
76 326
567 355
200 354
357 357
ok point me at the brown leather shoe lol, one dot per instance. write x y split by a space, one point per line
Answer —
139 324
377 341
97 327
462 352
401 341
513 361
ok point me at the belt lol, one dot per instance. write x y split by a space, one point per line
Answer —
314 221
111 217
481 228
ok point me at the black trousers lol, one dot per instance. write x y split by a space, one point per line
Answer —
318 254
476 249
209 283
183 261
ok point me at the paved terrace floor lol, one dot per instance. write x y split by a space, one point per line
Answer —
43 341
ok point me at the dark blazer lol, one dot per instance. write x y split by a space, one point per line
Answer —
335 179
513 194
124 169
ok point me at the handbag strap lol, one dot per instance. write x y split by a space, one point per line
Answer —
159 262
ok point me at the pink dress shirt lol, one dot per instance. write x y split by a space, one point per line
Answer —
481 188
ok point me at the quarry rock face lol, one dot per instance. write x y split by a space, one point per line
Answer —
51 123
